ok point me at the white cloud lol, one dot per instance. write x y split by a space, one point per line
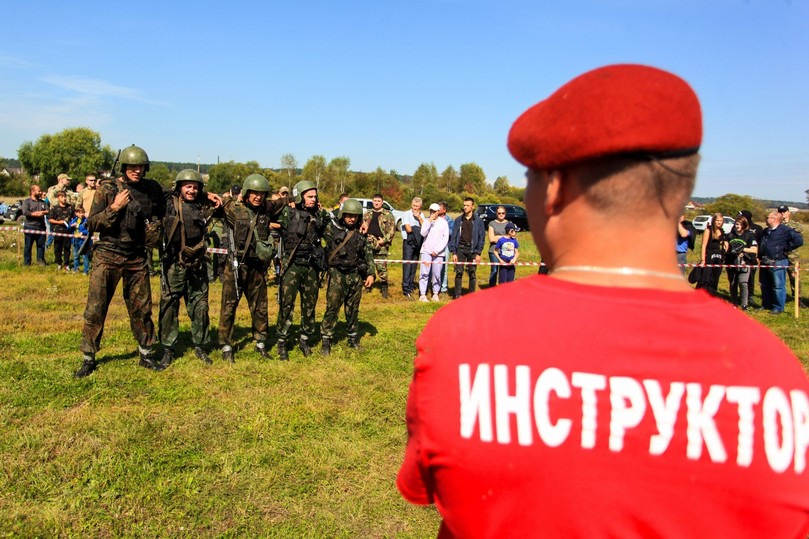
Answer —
97 87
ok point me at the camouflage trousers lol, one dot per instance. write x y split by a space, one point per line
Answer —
305 279
345 290
253 285
108 269
190 284
381 267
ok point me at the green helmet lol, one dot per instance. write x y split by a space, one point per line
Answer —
350 206
133 155
300 188
187 175
257 183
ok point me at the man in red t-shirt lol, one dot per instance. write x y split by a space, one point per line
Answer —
617 402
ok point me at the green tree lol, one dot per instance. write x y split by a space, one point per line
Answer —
161 174
501 186
222 176
75 151
449 180
425 175
289 165
731 204
314 169
472 178
337 177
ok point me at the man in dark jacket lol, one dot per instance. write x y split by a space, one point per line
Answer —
776 242
466 244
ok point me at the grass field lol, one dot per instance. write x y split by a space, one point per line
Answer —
305 448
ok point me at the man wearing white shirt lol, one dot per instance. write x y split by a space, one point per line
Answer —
411 244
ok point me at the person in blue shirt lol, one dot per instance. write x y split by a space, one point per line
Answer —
507 251
78 227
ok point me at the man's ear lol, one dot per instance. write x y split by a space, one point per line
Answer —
554 192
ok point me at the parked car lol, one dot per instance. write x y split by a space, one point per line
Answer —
701 222
13 212
368 204
515 214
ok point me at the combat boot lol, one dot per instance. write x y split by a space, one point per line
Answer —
353 342
87 367
325 347
262 350
227 354
202 355
384 289
165 361
305 348
147 359
283 355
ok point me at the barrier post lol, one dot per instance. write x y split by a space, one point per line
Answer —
797 297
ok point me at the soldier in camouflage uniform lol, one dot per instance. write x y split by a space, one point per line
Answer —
380 224
124 212
184 270
249 223
350 260
302 228
791 255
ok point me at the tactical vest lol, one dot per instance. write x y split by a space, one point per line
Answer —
242 215
351 255
302 224
146 203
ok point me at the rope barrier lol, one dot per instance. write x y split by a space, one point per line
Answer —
218 250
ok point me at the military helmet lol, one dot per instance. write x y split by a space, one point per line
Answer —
300 188
188 175
257 183
133 155
350 206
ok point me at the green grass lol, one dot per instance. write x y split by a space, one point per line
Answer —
305 448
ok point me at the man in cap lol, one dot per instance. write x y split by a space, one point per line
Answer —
184 272
379 224
602 420
62 184
303 225
793 254
350 262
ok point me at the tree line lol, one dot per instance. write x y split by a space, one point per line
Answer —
79 151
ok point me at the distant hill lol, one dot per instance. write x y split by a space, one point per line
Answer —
765 203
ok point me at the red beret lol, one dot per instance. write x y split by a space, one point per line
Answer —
617 109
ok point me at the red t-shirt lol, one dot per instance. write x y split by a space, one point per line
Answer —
545 408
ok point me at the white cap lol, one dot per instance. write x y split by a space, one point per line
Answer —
434 207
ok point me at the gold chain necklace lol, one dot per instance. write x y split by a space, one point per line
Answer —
619 271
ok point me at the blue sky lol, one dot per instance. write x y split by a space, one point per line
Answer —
395 84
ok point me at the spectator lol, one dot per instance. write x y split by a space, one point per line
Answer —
793 254
741 249
495 231
436 236
593 414
776 242
466 245
713 252
35 210
78 227
379 225
411 245
685 241
757 231
451 225
91 183
508 251
60 215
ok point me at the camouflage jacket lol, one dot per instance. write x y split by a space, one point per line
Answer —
797 227
387 223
